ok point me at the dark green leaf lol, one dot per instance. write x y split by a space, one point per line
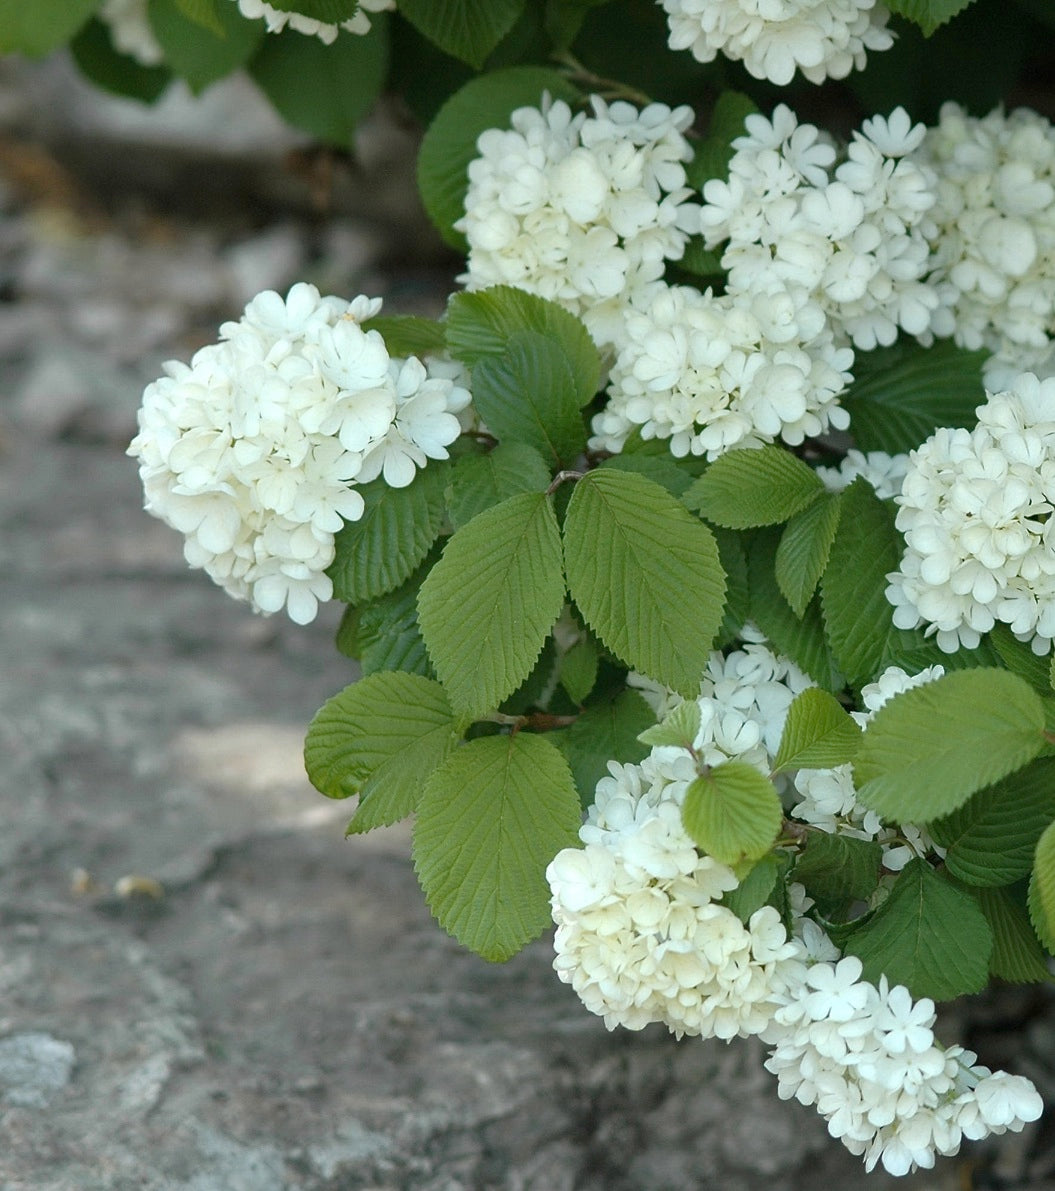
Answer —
605 731
465 29
755 888
409 335
1017 954
36 27
715 151
928 14
330 12
102 64
388 636
1021 660
479 481
839 868
197 53
202 12
804 550
663 470
737 594
1042 889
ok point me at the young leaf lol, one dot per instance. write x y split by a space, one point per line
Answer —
528 394
36 27
839 868
380 551
1020 659
857 615
1017 954
608 730
199 53
818 733
465 29
1042 889
930 748
101 63
679 729
804 550
409 335
480 481
372 725
748 488
490 820
645 575
990 840
733 812
450 141
490 602
484 323
928 935
715 151
928 14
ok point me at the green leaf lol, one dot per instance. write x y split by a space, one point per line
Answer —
1021 660
490 819
450 141
387 634
490 602
202 12
645 575
465 29
1017 954
409 335
534 691
662 470
330 12
485 322
857 615
578 668
324 89
199 54
715 151
564 19
800 638
818 733
679 728
1042 889
928 14
480 481
528 395
737 593
992 837
732 812
913 652
755 888
36 27
748 488
804 550
902 395
606 731
930 748
361 740
103 65
928 935
839 868
386 545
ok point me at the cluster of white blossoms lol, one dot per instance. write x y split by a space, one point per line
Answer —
131 31
713 373
584 210
253 450
884 472
976 514
854 239
993 243
822 39
279 19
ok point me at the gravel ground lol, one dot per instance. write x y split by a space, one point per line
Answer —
203 986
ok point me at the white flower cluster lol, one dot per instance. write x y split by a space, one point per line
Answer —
713 373
866 1057
582 209
823 39
993 244
853 239
278 19
130 30
975 512
253 450
828 797
884 472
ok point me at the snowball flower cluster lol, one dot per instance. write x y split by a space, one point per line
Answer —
773 38
583 209
130 30
975 512
884 472
713 373
278 19
993 241
255 448
852 236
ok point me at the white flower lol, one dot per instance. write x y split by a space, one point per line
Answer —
774 38
131 31
884 472
278 19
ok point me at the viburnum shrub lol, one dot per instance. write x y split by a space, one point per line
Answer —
699 560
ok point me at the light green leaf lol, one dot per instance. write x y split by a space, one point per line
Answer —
930 748
902 395
484 323
715 151
732 812
478 482
409 335
748 488
202 12
578 668
857 615
1042 889
1020 659
363 733
465 29
36 27
324 89
838 868
382 549
756 888
1017 954
100 62
450 141
199 53
607 730
818 733
992 837
804 550
679 728
490 602
928 14
928 935
490 820
528 394
645 575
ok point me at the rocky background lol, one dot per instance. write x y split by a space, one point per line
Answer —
203 986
